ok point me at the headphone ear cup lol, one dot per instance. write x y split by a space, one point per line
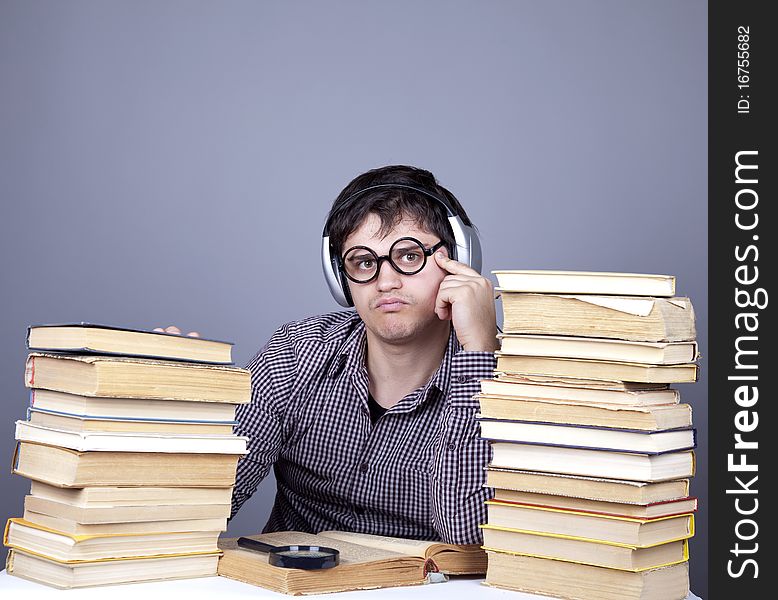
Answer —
343 281
336 281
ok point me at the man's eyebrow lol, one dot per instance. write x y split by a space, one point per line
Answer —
359 256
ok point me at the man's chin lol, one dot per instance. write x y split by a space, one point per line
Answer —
398 327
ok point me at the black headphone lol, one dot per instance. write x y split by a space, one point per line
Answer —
467 249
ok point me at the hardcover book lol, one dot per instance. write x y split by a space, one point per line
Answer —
86 441
70 468
647 418
604 489
649 510
90 338
592 526
590 348
579 391
121 377
106 572
611 556
67 548
596 369
129 408
585 282
84 424
616 317
594 463
563 579
587 436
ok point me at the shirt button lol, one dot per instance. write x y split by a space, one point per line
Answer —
359 510
463 379
363 467
451 447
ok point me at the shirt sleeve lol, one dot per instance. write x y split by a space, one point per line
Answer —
458 493
261 420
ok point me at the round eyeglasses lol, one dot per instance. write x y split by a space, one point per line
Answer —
407 256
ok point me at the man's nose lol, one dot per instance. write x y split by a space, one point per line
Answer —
387 277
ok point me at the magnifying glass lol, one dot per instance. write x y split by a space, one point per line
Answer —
294 557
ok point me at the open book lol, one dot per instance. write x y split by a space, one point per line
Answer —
366 561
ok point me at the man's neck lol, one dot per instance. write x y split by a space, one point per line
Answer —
395 370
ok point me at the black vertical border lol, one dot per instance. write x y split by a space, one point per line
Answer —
728 133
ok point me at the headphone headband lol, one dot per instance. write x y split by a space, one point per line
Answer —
467 247
450 212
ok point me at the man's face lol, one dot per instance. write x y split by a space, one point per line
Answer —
395 307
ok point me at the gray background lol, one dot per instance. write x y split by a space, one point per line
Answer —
172 162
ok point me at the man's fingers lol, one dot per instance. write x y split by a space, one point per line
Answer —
175 330
453 266
443 305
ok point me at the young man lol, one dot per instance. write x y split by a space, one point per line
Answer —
367 417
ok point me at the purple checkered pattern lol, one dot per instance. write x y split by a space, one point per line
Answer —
417 473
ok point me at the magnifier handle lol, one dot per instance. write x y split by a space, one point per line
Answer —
245 542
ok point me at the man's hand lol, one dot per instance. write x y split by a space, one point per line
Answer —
176 330
467 300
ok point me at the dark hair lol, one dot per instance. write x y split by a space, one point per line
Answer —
392 204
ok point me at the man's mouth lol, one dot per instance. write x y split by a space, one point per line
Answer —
390 304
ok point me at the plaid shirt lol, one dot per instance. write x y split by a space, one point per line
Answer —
417 473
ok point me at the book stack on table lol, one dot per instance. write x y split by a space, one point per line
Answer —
130 450
592 448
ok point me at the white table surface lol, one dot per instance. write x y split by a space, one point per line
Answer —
218 588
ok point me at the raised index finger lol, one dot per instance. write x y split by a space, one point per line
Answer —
454 266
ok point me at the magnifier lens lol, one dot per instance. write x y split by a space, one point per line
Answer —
294 556
304 553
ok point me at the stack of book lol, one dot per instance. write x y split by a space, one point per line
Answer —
130 450
592 448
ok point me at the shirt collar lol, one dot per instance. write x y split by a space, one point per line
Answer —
351 358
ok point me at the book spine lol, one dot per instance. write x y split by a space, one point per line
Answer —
430 566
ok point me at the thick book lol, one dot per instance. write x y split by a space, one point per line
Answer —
571 390
650 510
97 497
598 554
62 547
596 369
120 377
603 489
593 463
106 572
366 562
648 418
124 513
87 441
90 338
585 282
81 423
72 527
592 526
618 317
70 468
652 353
568 580
588 436
140 409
